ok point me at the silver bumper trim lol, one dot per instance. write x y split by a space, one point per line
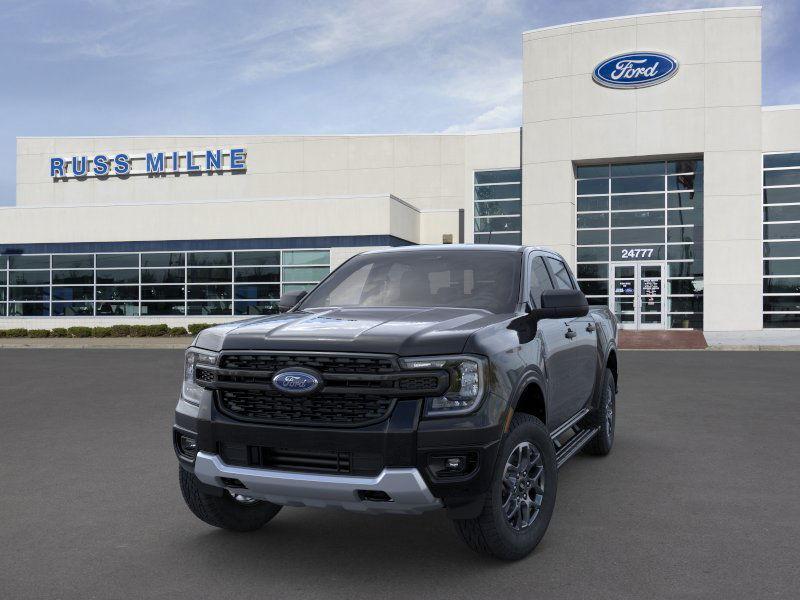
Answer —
405 486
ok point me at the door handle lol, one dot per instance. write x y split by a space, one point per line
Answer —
570 334
590 327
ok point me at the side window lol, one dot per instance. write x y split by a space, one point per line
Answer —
560 275
540 280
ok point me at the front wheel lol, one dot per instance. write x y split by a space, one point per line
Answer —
234 513
519 505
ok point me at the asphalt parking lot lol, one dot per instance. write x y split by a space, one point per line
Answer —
699 498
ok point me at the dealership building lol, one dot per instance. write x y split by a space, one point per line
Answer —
644 156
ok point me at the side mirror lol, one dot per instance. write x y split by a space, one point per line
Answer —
290 299
562 303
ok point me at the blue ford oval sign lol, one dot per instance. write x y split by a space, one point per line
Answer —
635 70
295 382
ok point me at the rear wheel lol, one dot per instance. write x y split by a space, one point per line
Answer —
234 513
518 507
605 417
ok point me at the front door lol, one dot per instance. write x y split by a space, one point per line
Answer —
637 294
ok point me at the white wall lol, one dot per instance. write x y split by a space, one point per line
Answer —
712 106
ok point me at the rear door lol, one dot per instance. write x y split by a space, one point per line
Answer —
556 347
582 346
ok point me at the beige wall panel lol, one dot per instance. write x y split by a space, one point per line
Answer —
734 307
681 39
731 128
590 45
732 38
325 154
370 152
547 57
684 90
417 150
655 132
604 136
781 130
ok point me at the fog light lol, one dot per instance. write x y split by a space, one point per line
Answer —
454 464
187 446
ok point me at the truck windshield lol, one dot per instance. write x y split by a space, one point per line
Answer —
483 279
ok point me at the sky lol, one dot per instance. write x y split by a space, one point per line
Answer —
175 67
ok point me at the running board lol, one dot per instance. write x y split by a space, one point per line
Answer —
570 423
575 443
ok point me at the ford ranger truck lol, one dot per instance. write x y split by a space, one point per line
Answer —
411 379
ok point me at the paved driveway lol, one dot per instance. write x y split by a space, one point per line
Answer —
699 499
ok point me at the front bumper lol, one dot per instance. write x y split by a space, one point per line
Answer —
404 490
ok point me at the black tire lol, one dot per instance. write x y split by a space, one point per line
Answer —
491 533
605 416
223 511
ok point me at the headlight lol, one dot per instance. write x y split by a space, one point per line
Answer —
467 383
191 391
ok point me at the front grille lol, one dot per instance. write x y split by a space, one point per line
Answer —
298 460
323 409
322 363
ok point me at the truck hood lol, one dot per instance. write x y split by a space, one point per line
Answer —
401 331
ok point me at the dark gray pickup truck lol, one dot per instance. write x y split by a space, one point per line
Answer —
412 379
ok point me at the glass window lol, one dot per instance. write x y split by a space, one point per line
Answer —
163 259
594 288
684 217
2 278
650 168
686 321
116 261
256 292
268 257
593 236
162 292
209 275
257 274
117 309
540 280
790 159
306 257
684 182
29 277
624 185
303 274
694 304
680 269
782 303
500 224
163 276
684 286
782 249
592 271
592 186
782 267
684 166
66 277
255 308
499 176
782 285
788 177
637 202
209 292
782 213
3 262
637 236
118 276
782 195
784 320
685 200
28 309
593 220
498 192
297 287
561 277
513 239
84 292
209 259
501 207
782 231
40 261
162 309
680 234
29 293
117 292
638 218
680 252
429 277
596 203
593 254
73 309
73 261
588 171
209 308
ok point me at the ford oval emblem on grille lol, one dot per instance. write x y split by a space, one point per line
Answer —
296 382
